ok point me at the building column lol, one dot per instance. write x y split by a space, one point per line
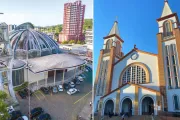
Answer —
45 78
54 77
10 85
118 102
110 70
162 81
1 82
63 77
136 102
75 72
100 107
159 102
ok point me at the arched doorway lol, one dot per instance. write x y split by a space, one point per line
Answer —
109 107
147 106
127 106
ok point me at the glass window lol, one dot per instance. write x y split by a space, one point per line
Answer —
108 44
176 82
176 102
134 74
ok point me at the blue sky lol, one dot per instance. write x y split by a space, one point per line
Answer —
136 19
39 12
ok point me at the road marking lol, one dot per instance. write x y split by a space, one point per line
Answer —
37 96
42 94
82 97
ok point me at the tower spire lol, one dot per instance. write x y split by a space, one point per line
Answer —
166 9
114 29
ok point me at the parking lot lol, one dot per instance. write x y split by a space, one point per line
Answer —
61 106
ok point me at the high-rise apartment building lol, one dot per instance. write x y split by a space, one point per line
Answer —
73 21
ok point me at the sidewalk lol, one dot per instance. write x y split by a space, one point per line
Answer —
86 111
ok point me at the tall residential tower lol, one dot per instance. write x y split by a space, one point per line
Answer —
73 21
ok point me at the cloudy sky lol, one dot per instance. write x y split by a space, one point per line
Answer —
38 12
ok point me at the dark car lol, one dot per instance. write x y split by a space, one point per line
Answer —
76 81
22 94
45 116
66 86
15 114
28 92
88 68
45 90
35 112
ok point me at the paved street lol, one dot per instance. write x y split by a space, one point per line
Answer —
61 106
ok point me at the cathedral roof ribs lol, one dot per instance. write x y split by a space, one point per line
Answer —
140 86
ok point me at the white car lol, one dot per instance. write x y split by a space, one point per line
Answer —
60 88
25 117
71 84
80 79
10 109
72 91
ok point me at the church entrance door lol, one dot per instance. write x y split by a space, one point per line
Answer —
147 106
109 107
127 106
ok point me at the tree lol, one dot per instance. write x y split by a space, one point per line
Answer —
71 41
87 24
4 115
78 42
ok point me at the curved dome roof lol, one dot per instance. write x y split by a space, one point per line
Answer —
34 43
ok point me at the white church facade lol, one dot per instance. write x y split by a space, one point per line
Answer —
140 82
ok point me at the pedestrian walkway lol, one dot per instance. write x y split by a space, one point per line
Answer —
86 111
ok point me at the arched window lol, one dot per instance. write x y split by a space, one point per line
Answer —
176 102
167 28
108 44
136 74
118 47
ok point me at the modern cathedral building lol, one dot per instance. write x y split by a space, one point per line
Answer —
140 82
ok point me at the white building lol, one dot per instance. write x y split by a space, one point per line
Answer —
89 36
140 82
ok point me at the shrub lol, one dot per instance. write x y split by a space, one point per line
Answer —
24 85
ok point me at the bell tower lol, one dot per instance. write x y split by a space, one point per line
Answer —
168 53
111 52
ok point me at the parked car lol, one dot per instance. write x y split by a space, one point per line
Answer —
66 86
15 115
77 82
54 89
80 78
72 91
44 90
35 112
28 92
88 68
10 109
22 94
23 118
60 88
71 84
45 116
82 75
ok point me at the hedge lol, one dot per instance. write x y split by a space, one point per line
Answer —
24 85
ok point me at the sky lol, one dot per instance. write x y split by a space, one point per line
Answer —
38 12
136 21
